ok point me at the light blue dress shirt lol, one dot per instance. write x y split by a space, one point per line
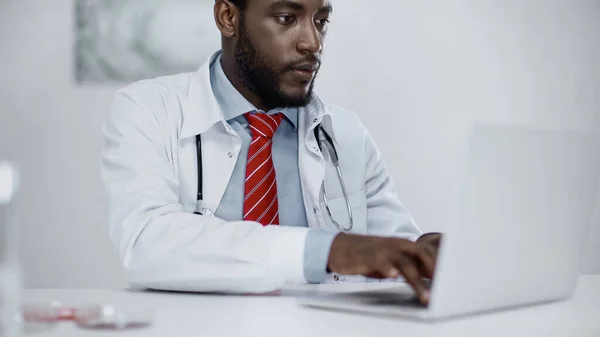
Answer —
285 160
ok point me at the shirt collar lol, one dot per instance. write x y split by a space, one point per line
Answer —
201 111
233 104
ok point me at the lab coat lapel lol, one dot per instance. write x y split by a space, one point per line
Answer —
220 145
310 158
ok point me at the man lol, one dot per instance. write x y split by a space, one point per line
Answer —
250 207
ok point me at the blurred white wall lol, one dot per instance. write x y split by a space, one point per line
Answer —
52 128
417 72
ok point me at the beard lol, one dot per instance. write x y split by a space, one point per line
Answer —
263 76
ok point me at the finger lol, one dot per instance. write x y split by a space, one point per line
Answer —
410 271
425 260
424 272
374 275
433 252
386 268
437 241
425 264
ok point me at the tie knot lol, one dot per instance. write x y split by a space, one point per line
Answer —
264 125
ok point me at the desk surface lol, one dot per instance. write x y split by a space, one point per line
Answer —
177 314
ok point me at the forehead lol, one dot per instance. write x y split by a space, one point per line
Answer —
292 4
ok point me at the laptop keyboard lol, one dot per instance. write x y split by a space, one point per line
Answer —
389 297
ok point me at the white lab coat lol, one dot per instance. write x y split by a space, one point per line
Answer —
149 167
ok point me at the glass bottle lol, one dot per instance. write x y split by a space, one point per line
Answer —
10 271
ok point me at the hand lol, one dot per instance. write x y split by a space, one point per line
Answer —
383 257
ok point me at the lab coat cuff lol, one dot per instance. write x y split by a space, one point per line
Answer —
288 253
316 254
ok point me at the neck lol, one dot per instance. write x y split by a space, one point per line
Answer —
228 65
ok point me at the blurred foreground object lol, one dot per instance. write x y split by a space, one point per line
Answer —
41 317
10 270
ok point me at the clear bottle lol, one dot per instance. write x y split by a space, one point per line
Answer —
10 271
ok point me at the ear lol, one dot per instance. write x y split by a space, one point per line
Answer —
227 17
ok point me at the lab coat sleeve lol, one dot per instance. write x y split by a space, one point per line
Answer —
386 215
160 245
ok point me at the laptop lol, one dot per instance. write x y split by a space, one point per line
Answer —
517 233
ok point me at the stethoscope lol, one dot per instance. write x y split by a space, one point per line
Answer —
322 139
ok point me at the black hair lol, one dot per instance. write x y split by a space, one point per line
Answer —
241 4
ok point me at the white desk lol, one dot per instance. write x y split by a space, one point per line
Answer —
198 315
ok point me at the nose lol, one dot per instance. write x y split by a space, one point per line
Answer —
311 39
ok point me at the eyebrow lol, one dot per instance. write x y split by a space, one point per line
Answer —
286 4
326 9
291 4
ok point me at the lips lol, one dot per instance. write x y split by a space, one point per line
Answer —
307 67
305 72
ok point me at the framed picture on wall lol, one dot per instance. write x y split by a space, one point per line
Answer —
130 40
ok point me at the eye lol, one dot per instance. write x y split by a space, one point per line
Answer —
286 19
322 22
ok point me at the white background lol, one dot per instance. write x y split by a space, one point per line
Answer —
417 73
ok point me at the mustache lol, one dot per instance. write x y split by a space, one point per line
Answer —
309 59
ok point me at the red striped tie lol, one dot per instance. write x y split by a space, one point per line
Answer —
260 201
